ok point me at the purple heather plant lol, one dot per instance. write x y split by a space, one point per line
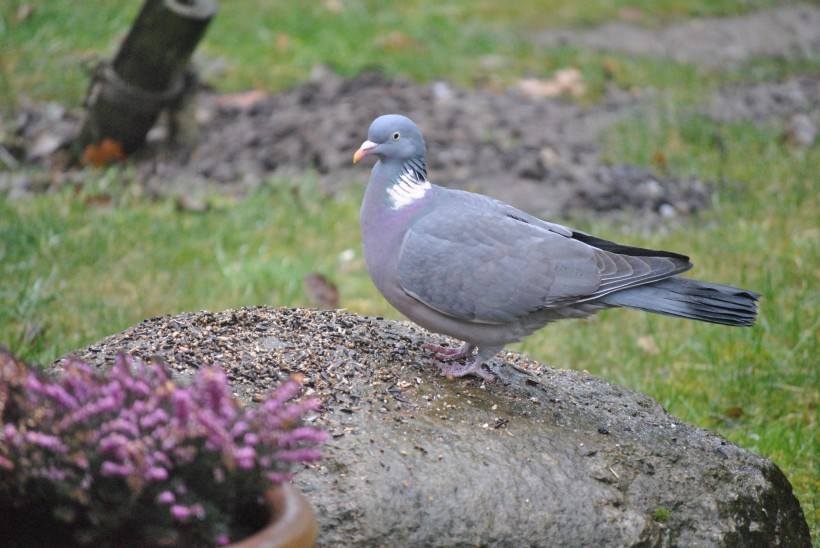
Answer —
131 458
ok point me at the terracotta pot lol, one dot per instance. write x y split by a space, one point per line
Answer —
292 522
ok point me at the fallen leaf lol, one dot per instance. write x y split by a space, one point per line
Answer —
282 41
191 204
320 291
333 6
97 200
611 67
24 12
659 158
243 101
566 81
103 153
396 41
734 412
631 14
648 345
45 144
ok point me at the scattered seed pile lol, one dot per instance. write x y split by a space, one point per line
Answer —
258 347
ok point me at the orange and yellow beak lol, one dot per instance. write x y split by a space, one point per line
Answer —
366 148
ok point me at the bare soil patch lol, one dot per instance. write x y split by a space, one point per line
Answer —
540 154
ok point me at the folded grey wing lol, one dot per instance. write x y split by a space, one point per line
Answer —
491 268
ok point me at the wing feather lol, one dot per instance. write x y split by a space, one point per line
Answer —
484 261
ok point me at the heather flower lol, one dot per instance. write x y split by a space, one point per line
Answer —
180 512
166 497
45 441
110 453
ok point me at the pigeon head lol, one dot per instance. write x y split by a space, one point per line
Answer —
392 137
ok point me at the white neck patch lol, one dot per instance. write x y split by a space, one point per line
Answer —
407 189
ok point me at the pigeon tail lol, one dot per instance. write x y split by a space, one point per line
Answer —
691 299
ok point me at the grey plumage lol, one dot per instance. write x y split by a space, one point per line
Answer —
484 272
691 299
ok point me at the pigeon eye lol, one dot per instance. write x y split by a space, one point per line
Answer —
396 135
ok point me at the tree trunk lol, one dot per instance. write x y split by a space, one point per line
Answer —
147 75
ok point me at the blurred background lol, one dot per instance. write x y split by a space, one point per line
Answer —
681 125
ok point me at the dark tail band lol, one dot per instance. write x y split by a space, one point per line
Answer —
691 299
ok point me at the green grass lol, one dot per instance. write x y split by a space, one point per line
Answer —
272 45
77 271
75 268
758 387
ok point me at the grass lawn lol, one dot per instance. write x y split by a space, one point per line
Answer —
75 269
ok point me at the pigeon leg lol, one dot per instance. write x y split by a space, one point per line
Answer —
446 354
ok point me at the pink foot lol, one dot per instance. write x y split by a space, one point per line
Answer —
446 354
445 357
461 370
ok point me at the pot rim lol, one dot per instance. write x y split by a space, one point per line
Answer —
292 522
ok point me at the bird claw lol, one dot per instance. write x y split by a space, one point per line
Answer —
446 354
470 368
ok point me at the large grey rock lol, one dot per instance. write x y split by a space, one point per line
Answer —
546 457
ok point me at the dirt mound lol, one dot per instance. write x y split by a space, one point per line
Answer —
716 42
540 154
